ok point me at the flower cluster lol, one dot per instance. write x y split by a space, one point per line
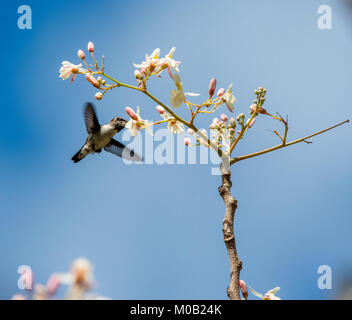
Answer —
154 65
136 122
79 281
223 135
174 126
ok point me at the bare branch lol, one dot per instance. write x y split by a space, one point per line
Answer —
283 145
233 290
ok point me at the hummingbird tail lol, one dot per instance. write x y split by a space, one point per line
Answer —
79 155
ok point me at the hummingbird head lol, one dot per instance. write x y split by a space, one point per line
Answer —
118 123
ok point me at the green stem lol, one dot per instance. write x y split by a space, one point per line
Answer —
283 145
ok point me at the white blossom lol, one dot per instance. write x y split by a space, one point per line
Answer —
69 69
177 96
229 99
136 122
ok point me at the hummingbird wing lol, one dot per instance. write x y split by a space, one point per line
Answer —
122 151
90 119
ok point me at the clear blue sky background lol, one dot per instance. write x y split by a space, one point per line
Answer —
155 231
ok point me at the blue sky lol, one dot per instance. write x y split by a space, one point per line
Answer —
154 232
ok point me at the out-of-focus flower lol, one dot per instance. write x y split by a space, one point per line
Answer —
190 131
98 96
82 271
229 99
90 78
19 296
69 69
79 280
81 54
270 295
212 87
53 284
136 122
244 289
90 46
177 97
40 292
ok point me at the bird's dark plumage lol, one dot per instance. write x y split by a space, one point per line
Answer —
90 119
101 137
122 151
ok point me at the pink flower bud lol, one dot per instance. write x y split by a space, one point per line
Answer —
252 123
221 91
81 54
187 141
160 109
53 284
90 46
98 96
212 87
131 113
190 131
92 80
244 289
224 117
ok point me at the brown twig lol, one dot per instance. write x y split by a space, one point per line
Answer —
233 290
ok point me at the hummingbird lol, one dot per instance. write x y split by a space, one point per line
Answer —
101 137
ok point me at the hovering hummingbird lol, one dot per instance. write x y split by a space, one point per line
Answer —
100 137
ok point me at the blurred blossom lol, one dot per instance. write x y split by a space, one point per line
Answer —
79 281
19 296
270 295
